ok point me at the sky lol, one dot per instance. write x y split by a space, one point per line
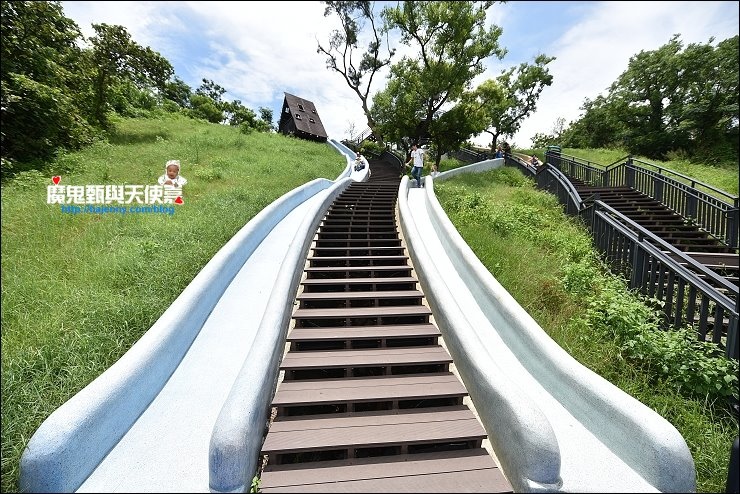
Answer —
258 51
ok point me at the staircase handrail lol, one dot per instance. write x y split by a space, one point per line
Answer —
732 199
563 180
664 246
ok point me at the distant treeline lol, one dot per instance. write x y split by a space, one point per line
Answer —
58 87
670 101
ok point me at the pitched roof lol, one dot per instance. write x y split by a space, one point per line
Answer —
309 120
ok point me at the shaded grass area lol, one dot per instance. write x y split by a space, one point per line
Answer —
533 249
79 289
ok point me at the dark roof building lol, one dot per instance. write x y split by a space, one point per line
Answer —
300 118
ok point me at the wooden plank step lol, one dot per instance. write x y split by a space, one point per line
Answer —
354 228
717 259
364 332
359 281
380 388
385 311
373 357
358 258
356 249
360 295
471 470
356 233
360 241
353 269
373 430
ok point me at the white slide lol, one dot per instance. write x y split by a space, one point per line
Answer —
184 410
553 424
145 424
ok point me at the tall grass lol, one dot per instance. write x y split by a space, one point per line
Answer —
79 290
545 260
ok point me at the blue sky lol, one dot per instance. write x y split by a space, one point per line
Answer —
259 50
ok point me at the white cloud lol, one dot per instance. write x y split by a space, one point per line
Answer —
258 50
593 52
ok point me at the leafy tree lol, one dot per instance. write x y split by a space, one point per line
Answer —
669 99
649 95
213 91
452 41
116 57
266 116
178 91
521 88
598 127
203 107
43 90
343 44
453 128
709 115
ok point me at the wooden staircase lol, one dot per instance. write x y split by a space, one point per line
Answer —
666 224
368 402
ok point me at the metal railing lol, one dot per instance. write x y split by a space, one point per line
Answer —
689 292
712 210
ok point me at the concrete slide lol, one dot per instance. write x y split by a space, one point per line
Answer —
554 425
145 424
185 408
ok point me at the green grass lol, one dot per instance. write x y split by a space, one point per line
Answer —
522 236
79 290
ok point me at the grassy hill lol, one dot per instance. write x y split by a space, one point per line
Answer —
79 289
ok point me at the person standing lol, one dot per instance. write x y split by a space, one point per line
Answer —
417 157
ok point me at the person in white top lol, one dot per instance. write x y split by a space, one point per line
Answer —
417 157
172 174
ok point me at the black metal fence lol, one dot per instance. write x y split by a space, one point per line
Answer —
689 292
711 209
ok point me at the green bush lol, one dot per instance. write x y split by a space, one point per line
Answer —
695 367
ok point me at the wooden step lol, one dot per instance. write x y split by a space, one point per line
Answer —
471 470
344 296
355 312
372 429
381 357
359 281
358 258
345 333
358 390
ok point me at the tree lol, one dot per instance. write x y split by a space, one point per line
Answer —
455 126
178 91
342 46
266 116
453 41
648 92
116 57
44 89
513 96
599 126
213 91
202 106
669 99
709 115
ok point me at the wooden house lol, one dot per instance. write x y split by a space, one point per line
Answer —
300 118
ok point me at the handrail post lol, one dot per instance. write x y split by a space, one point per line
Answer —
637 259
692 201
629 174
733 217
